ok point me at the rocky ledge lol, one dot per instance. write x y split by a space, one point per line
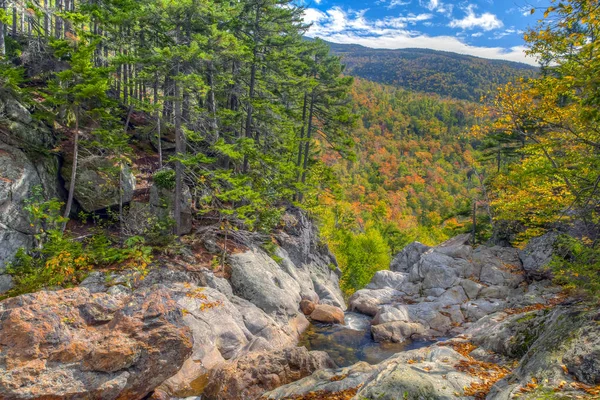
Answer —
180 331
513 333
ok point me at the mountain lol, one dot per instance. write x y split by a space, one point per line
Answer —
430 71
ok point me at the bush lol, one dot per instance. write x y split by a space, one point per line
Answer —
164 179
361 255
60 260
577 266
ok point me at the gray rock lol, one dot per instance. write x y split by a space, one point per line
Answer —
162 203
388 279
408 257
326 381
453 296
396 331
97 183
367 301
476 309
471 288
438 271
537 254
259 279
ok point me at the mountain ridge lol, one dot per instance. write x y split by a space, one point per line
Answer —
449 74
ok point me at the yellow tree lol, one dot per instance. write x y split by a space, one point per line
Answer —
556 119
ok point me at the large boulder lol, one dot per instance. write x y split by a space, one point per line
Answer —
25 166
75 344
537 255
327 314
408 257
162 204
258 278
224 326
97 183
306 258
249 376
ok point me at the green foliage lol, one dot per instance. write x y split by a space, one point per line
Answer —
360 256
577 266
164 178
62 260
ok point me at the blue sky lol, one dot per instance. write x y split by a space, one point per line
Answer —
483 28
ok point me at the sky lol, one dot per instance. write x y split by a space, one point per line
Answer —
482 28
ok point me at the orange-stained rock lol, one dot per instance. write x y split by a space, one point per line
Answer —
328 314
74 344
307 306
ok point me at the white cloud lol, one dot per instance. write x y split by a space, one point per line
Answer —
352 27
317 1
486 21
398 3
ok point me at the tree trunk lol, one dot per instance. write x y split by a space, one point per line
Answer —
2 38
73 172
301 143
307 144
159 139
178 153
474 230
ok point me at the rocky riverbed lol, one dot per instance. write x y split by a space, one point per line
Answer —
446 322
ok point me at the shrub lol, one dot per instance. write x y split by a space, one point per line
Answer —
576 266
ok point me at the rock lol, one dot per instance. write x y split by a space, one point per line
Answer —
408 257
582 359
389 313
537 254
476 309
426 373
396 331
367 301
328 314
453 296
223 328
388 279
162 203
307 306
327 381
97 183
314 267
75 344
438 270
259 279
249 376
471 288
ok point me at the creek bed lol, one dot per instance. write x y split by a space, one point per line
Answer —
353 342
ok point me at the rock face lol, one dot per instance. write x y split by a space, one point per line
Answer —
427 373
162 204
537 254
24 165
74 344
245 328
256 373
97 183
441 291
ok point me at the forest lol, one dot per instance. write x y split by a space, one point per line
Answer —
239 118
422 70
198 201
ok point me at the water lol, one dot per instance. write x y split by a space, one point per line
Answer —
351 343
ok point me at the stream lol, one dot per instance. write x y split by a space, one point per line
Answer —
351 343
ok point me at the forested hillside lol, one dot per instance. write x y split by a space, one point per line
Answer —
159 116
413 177
429 71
